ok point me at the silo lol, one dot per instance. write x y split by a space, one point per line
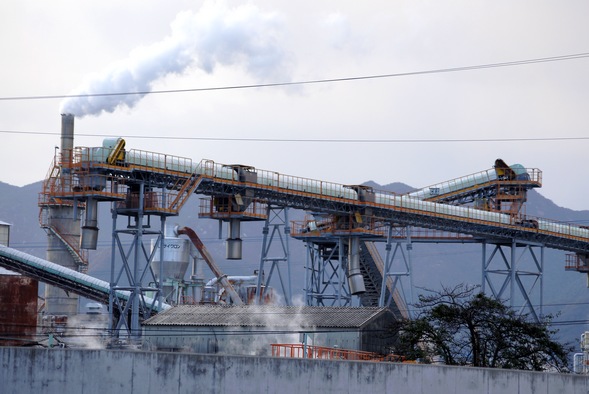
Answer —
173 265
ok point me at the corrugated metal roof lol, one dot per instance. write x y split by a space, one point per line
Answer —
265 316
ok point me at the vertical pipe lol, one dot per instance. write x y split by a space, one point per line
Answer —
308 287
89 239
355 278
265 230
111 323
287 252
160 281
484 266
340 269
233 251
541 282
410 267
136 285
512 275
386 268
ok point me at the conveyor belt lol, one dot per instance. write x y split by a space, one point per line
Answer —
64 278
415 213
316 196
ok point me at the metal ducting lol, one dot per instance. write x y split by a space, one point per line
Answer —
89 239
234 242
355 278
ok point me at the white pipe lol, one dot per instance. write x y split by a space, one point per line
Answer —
234 279
52 269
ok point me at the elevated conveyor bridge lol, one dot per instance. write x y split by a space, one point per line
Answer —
146 183
169 186
69 280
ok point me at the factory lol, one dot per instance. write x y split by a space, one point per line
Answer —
158 299
250 329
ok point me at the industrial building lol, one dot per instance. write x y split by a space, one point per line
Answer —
152 302
252 329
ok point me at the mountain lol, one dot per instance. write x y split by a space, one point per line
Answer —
434 265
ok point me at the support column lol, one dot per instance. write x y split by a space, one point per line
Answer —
392 279
520 279
135 273
276 219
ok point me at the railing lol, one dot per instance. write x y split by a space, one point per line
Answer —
299 350
314 227
575 262
533 177
86 157
276 181
223 208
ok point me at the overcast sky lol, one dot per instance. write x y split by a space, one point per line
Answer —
65 47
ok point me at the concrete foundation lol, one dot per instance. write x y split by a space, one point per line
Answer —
26 370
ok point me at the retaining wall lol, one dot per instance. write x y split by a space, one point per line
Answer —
61 371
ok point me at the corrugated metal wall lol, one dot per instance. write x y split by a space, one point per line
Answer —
18 310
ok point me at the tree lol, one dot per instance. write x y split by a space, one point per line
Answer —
468 328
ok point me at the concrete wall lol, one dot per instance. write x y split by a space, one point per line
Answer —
64 371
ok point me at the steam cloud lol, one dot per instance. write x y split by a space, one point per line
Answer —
215 35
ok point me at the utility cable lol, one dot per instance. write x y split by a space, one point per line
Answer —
308 82
314 140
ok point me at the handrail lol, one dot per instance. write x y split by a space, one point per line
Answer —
299 350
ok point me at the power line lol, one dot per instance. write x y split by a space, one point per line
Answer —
314 140
308 82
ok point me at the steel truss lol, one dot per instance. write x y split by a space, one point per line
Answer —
515 271
276 220
325 280
135 269
401 272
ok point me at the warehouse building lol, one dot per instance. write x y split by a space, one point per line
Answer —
251 329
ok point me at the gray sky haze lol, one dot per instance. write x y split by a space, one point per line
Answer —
419 129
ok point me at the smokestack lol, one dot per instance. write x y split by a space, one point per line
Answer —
66 221
67 137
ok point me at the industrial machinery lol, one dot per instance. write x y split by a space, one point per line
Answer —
140 185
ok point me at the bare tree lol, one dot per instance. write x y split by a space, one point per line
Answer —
465 327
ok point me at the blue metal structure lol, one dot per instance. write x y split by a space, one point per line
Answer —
142 184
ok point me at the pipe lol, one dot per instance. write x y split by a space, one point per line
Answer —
221 277
89 238
233 251
355 278
65 278
234 279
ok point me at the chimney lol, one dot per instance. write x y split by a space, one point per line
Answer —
67 138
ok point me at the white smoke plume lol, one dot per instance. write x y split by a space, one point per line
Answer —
215 35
